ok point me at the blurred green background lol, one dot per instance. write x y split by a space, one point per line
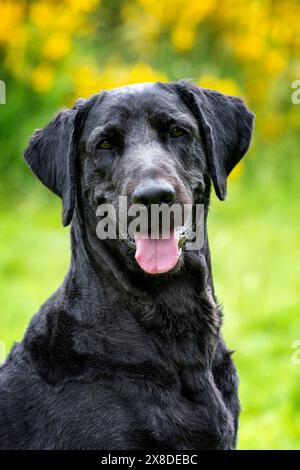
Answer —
53 52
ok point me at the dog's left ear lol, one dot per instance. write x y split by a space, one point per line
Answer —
226 124
51 155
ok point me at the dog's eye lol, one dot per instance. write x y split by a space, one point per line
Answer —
176 132
104 144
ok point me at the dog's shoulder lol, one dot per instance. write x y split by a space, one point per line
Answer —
20 391
74 414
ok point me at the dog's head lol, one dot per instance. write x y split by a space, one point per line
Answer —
152 144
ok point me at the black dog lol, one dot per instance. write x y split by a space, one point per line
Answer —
119 358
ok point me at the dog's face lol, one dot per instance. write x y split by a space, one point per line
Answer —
143 143
150 144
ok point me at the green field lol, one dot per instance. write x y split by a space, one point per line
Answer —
255 245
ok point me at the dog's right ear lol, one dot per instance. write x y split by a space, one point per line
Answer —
51 155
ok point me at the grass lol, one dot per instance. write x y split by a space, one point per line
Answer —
256 261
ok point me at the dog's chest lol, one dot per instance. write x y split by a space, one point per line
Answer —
165 390
184 411
178 407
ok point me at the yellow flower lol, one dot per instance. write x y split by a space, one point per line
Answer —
69 21
42 14
165 11
248 47
67 16
57 46
275 61
82 6
183 37
86 81
16 53
141 72
11 17
195 11
224 85
42 78
89 80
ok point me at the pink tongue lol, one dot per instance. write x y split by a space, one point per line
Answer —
157 256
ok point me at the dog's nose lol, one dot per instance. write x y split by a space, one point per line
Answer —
154 193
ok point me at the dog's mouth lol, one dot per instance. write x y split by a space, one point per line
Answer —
157 256
161 254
